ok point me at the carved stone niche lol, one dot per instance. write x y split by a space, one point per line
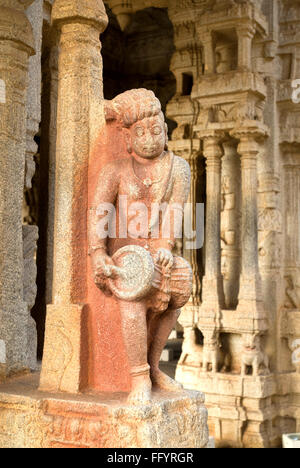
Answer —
185 67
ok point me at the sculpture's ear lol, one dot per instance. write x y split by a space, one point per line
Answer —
127 136
109 111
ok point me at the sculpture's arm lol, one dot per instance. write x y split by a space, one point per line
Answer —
179 196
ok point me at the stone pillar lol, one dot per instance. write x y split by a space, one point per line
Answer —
52 81
16 45
230 223
35 15
189 313
79 118
191 254
212 286
123 11
245 37
209 52
250 295
47 179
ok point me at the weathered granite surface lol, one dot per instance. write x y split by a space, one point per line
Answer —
33 419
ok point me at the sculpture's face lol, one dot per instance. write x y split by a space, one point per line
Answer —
148 137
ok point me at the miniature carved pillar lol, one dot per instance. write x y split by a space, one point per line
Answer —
212 287
16 45
250 297
230 221
191 254
209 53
245 37
79 118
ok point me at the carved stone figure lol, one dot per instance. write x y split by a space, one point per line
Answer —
214 357
253 356
134 259
190 348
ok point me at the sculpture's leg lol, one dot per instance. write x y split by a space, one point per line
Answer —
159 329
134 327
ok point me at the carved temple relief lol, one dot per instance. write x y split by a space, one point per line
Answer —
291 165
133 260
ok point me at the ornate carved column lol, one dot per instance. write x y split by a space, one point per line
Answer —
230 223
191 254
250 295
79 118
212 286
16 45
245 36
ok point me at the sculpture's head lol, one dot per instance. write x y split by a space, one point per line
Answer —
145 130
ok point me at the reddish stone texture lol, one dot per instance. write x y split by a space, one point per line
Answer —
108 363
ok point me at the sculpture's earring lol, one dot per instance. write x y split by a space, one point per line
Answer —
129 148
167 138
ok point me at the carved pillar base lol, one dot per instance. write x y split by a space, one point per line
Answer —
64 358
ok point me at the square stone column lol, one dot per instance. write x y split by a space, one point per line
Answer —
16 46
209 52
79 118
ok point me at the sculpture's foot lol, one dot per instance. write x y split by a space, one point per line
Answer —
141 391
164 382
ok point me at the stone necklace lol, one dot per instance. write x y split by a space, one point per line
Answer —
148 182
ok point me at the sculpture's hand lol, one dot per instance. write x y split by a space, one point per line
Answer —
164 258
103 268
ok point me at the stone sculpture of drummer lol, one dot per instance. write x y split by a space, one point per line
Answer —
150 176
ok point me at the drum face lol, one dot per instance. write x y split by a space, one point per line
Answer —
137 273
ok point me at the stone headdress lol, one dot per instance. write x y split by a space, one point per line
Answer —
132 106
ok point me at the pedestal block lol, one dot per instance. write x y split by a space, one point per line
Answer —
33 419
